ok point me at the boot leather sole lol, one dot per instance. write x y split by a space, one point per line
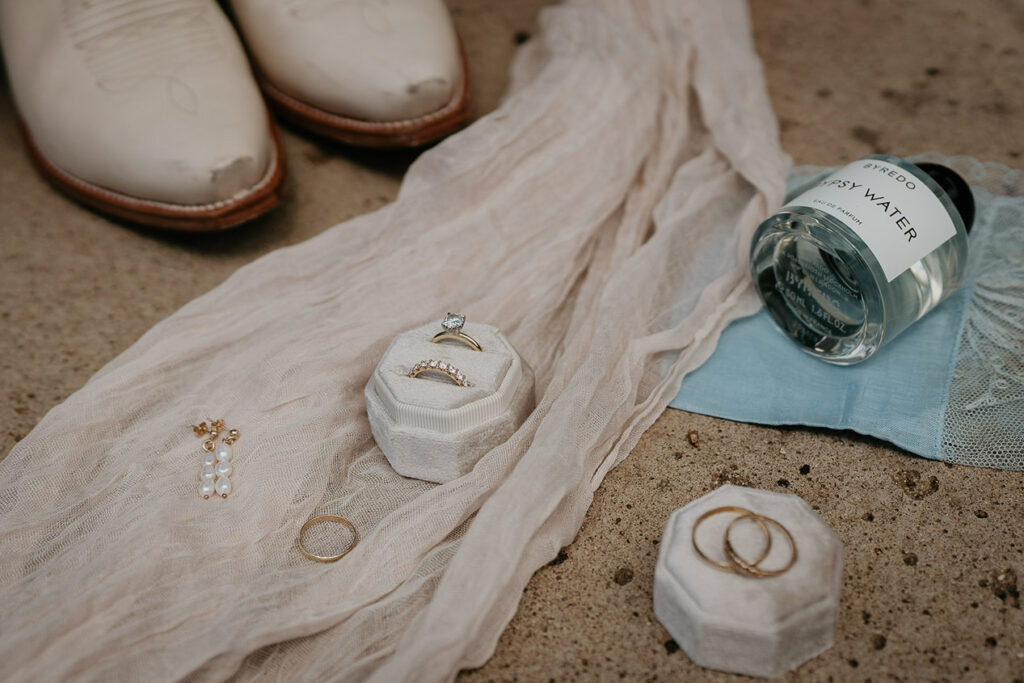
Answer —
220 215
407 133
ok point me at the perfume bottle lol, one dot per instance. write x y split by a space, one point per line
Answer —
851 262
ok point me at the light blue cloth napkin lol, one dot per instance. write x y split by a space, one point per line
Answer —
944 389
757 374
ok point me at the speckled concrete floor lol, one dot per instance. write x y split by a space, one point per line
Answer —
933 552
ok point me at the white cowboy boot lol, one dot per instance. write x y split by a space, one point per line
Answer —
144 109
384 73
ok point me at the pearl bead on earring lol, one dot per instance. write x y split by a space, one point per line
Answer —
215 473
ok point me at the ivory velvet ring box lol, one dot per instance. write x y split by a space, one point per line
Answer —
431 427
731 621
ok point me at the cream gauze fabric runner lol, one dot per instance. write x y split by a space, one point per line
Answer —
601 217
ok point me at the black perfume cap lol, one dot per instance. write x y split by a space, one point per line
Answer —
956 187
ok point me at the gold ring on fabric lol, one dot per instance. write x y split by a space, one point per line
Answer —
328 518
451 328
729 566
442 368
751 568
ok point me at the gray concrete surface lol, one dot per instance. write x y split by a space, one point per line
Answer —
933 552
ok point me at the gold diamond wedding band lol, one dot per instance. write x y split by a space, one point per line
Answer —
442 368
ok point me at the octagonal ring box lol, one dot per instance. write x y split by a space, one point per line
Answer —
428 427
755 626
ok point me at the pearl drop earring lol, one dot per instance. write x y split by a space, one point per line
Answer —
215 473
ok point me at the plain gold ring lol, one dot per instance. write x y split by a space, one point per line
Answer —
328 518
751 568
732 568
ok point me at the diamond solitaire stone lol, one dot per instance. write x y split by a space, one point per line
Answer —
453 322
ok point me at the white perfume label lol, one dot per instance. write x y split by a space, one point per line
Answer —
898 216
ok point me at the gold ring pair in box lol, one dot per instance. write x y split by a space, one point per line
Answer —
734 562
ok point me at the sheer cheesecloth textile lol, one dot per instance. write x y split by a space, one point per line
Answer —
601 217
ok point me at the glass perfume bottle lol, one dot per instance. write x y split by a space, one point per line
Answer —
851 262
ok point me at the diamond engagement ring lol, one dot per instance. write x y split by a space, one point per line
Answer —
442 368
452 329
